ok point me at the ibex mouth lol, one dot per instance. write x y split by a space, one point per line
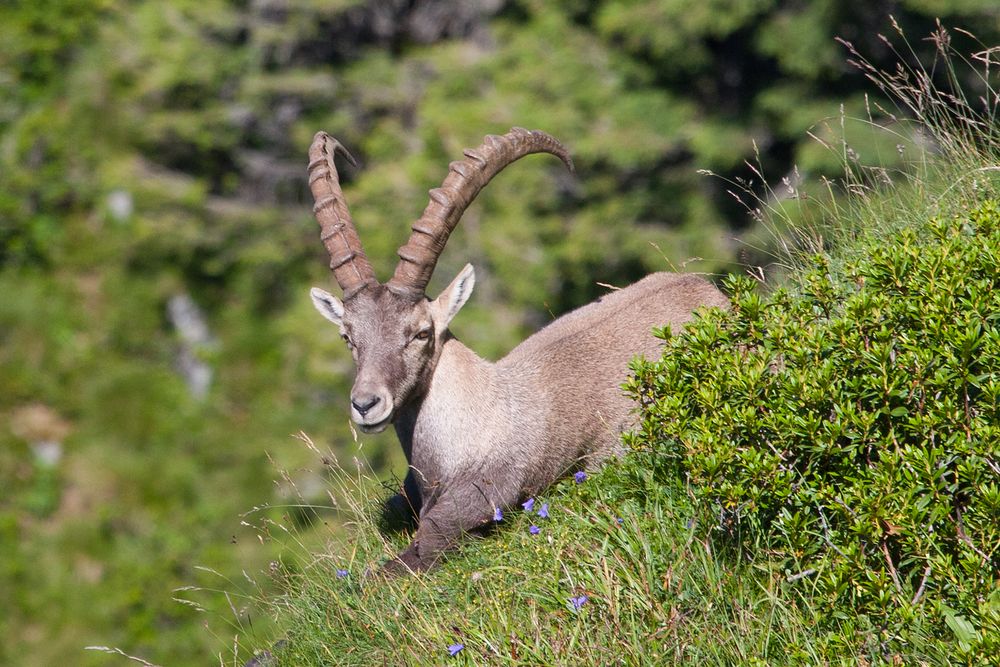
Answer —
377 427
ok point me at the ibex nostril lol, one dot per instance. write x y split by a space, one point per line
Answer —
364 404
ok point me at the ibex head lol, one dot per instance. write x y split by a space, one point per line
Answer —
395 331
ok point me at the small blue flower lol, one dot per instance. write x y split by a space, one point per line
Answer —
342 573
455 648
578 602
580 476
544 512
534 530
528 504
619 520
498 514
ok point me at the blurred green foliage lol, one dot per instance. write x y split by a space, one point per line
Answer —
150 150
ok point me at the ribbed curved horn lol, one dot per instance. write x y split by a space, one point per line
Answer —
447 204
348 262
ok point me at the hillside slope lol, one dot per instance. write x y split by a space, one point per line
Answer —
816 480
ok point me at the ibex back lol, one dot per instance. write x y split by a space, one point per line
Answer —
479 435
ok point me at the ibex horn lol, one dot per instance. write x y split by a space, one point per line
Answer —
447 204
348 262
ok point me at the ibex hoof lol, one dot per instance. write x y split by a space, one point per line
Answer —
396 568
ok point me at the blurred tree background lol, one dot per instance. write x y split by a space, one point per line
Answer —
157 345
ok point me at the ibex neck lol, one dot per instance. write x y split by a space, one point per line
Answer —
454 351
462 383
459 372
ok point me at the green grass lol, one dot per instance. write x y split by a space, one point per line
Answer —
656 591
659 591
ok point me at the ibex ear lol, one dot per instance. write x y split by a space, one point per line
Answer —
328 305
454 296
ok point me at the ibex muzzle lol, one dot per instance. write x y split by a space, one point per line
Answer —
479 435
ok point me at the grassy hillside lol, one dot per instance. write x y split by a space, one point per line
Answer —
815 478
780 507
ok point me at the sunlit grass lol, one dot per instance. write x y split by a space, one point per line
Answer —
609 578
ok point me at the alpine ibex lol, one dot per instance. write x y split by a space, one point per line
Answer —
480 436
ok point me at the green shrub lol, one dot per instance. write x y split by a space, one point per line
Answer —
849 431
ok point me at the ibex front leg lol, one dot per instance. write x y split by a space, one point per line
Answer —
460 508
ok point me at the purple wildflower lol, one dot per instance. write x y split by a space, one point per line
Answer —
578 602
455 648
580 476
498 514
619 520
528 504
534 530
544 512
342 573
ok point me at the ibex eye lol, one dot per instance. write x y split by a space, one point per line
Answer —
423 334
